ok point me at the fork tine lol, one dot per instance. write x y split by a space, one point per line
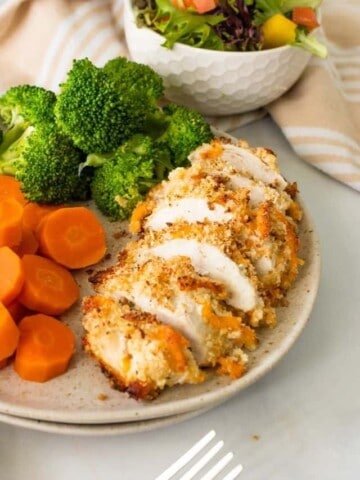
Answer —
203 461
218 467
235 472
184 459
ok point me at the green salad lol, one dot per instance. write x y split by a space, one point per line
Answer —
233 25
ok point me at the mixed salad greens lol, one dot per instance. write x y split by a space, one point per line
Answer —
233 25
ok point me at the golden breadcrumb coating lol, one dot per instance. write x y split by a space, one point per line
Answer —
141 355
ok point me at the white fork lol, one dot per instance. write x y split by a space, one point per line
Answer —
170 472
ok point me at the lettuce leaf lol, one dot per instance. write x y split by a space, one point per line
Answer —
182 26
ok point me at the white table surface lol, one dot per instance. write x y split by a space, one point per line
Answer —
305 412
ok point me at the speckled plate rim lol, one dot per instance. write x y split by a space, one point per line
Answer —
207 399
122 428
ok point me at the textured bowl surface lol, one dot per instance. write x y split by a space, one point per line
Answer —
213 82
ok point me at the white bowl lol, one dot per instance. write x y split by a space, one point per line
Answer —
213 82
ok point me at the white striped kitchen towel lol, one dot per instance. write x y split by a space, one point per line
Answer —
320 115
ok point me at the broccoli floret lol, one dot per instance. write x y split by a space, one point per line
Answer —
145 84
46 163
23 106
122 181
186 130
34 150
136 78
27 104
94 112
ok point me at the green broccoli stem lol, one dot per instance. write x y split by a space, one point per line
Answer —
7 166
10 136
9 156
8 159
156 123
145 185
95 160
310 44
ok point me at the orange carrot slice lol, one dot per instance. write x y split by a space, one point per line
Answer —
48 287
11 275
34 212
28 244
11 212
45 348
11 188
3 363
73 237
17 310
9 333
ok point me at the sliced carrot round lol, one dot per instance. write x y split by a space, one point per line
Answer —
35 212
11 188
11 275
73 237
45 348
48 287
17 310
28 244
11 212
9 333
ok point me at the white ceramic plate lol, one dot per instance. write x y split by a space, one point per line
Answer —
83 394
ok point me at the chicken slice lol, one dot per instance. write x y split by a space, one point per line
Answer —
140 355
177 295
209 260
189 209
258 164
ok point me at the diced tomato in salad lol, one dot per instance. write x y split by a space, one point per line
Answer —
201 6
306 17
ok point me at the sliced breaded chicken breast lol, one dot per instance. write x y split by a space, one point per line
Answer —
262 243
198 202
212 250
210 260
217 251
140 355
177 295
